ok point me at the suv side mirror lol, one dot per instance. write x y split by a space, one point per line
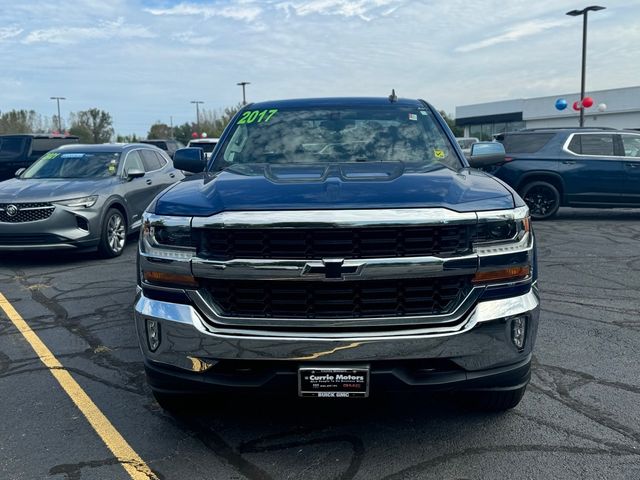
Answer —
484 154
20 171
190 159
134 173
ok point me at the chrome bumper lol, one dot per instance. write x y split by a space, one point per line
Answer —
481 342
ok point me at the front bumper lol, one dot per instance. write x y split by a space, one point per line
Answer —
480 354
65 229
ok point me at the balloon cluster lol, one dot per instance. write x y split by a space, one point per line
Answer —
587 102
202 135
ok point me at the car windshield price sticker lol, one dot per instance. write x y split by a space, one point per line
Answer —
257 116
333 382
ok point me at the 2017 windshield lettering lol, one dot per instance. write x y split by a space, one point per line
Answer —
257 116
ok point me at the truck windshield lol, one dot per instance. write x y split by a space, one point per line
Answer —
74 165
11 146
406 134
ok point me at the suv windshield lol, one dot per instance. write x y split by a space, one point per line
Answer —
74 165
410 135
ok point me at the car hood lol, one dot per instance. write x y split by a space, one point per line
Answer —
47 190
337 186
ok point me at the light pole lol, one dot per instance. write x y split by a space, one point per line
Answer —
57 99
243 85
198 103
577 13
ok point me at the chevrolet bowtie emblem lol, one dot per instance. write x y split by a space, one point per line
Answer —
332 268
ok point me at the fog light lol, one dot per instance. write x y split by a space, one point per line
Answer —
153 334
518 331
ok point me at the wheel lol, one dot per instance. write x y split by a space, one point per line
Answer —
493 401
542 198
114 234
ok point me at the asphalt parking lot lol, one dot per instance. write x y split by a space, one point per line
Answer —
579 419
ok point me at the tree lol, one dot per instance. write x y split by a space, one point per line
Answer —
23 121
133 138
212 123
159 130
92 126
457 131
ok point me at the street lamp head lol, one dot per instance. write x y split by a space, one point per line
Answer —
592 8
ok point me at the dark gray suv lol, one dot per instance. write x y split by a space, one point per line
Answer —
82 196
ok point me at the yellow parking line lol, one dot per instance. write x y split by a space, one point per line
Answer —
127 457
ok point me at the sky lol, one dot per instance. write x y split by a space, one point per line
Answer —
146 60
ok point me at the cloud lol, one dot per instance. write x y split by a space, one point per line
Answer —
104 31
365 9
246 12
516 32
192 38
9 32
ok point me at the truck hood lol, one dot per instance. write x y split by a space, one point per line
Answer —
336 186
48 189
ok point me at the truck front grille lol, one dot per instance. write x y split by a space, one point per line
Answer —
25 212
349 299
301 243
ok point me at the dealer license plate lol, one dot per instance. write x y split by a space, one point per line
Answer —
333 382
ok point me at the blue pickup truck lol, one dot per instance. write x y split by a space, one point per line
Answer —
338 248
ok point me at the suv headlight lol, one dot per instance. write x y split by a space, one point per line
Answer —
82 202
166 237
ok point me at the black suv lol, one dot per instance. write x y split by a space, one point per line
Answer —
576 167
21 150
168 145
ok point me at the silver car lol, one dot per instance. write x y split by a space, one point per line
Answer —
82 196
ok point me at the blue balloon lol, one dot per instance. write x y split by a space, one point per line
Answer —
561 104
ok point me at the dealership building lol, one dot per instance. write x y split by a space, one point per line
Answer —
617 108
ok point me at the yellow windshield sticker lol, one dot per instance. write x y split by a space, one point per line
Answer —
50 155
438 153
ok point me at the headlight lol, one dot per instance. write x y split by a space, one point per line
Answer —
166 237
83 202
502 232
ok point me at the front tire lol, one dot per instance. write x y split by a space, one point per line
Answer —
114 234
542 198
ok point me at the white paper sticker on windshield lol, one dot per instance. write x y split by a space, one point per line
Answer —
423 112
413 116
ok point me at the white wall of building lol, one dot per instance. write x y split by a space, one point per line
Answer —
623 109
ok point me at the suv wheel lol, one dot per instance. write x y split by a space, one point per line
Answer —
542 198
114 234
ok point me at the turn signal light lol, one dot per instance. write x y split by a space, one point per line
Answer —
504 274
162 278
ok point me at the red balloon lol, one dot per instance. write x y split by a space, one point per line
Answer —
576 106
587 102
194 135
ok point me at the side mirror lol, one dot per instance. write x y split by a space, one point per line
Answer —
190 159
20 171
484 154
134 173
